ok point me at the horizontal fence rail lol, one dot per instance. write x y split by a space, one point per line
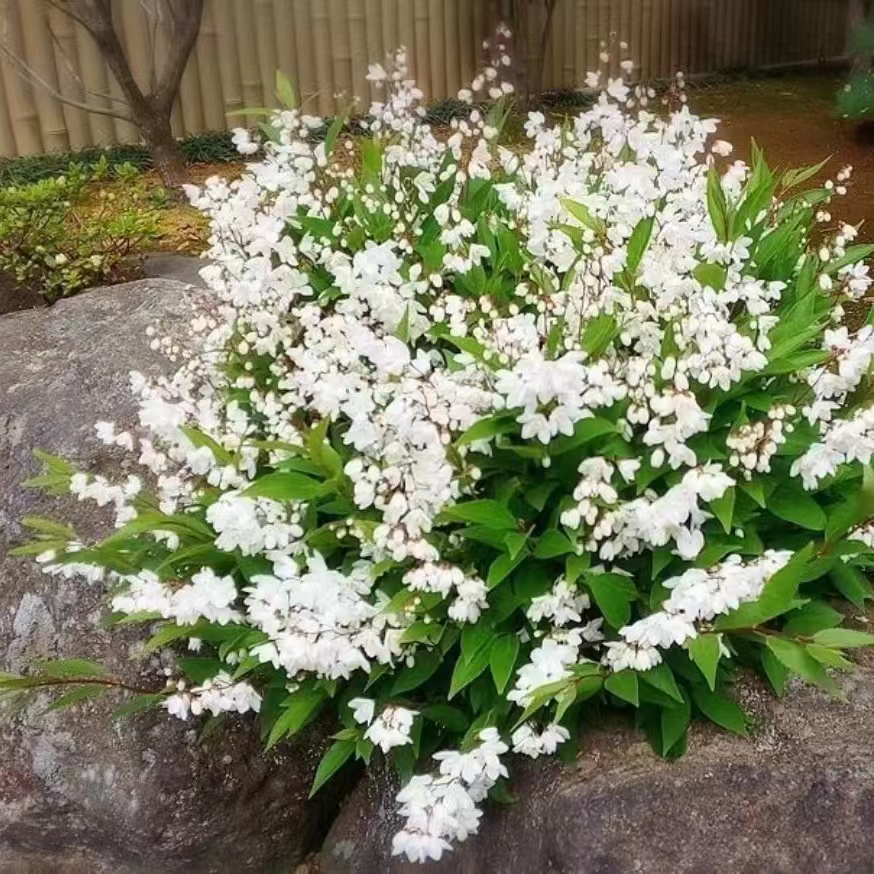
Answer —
324 46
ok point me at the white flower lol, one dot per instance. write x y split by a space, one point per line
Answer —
362 710
391 728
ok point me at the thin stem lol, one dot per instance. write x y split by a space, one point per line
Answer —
113 682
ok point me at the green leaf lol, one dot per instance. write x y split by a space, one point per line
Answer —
581 213
475 637
624 685
337 755
832 658
598 334
333 132
425 665
720 709
717 206
791 178
811 618
137 704
199 439
755 490
852 584
799 661
77 695
500 423
502 566
711 275
489 513
674 723
776 672
661 677
285 91
723 509
502 659
422 632
552 543
637 244
613 593
302 707
67 668
59 530
843 637
704 650
451 718
792 503
286 487
466 671
585 431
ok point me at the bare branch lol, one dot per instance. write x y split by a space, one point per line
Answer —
186 15
74 75
30 75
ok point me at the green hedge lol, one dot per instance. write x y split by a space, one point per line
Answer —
207 148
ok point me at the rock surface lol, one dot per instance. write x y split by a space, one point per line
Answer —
797 795
80 792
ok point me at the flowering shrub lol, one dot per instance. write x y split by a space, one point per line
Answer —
62 234
477 438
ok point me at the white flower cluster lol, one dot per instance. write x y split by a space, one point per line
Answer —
219 694
697 595
442 808
385 329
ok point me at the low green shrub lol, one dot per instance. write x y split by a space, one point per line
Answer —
61 235
213 147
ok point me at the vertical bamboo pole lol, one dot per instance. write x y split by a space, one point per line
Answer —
95 80
422 55
190 101
69 78
341 49
38 51
284 41
569 29
22 109
436 56
642 49
580 47
228 63
451 38
391 38
614 29
659 12
373 25
303 33
205 60
7 135
322 49
603 26
685 21
467 36
250 74
265 48
552 67
480 28
357 29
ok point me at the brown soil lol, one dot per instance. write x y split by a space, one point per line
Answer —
793 120
15 297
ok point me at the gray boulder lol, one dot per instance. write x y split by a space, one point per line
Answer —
797 795
78 790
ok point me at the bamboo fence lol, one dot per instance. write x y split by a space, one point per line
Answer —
324 46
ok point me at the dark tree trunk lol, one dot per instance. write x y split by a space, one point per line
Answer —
166 154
